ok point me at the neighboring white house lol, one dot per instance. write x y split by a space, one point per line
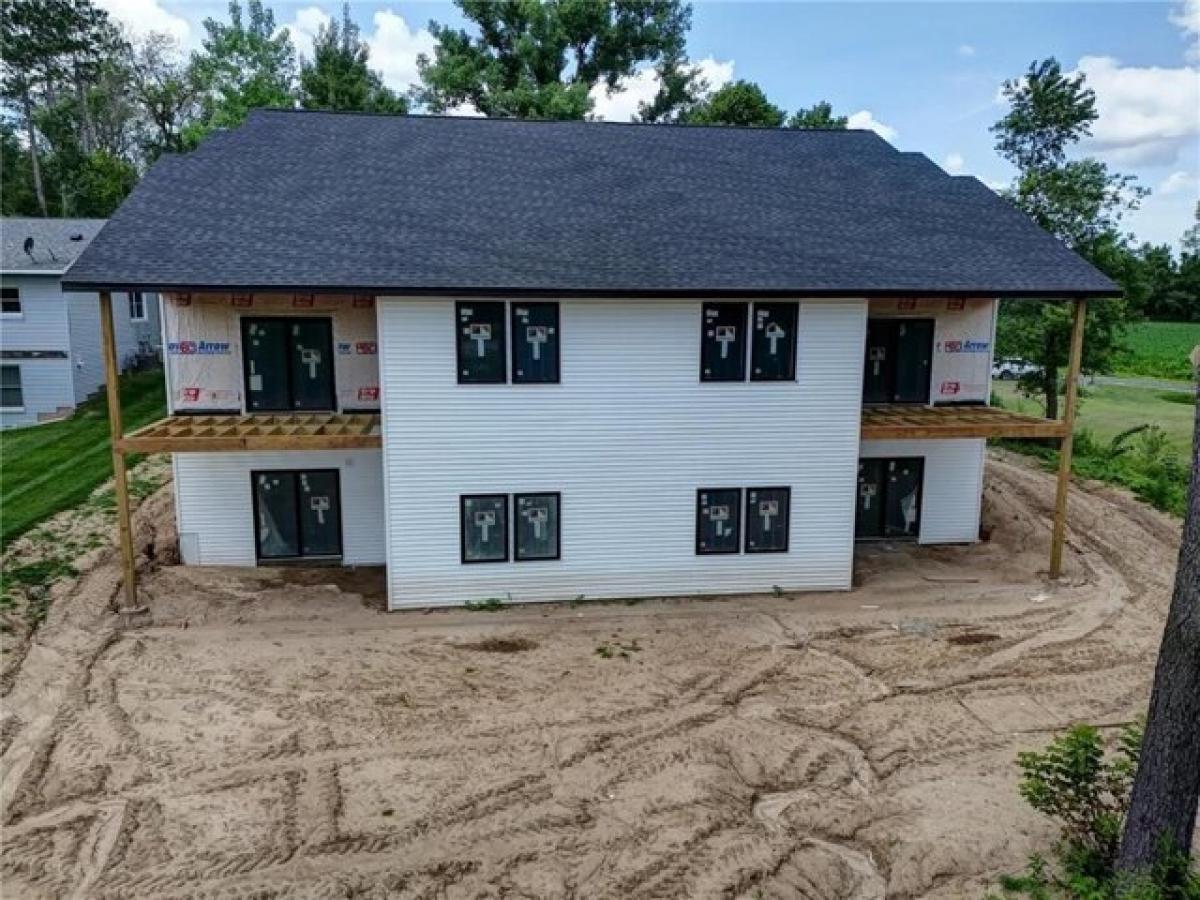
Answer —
536 360
50 358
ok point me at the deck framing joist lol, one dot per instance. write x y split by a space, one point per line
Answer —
224 433
892 422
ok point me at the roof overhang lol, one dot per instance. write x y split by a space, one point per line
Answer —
582 293
57 272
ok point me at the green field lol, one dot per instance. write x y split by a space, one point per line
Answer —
1158 350
48 468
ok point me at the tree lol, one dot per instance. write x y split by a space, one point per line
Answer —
245 64
338 76
819 115
1079 201
50 48
1166 789
1191 237
538 60
166 90
737 103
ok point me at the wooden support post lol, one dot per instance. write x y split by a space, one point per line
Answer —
1066 444
112 387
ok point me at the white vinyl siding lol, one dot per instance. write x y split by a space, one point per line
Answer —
215 507
627 437
45 389
86 353
953 485
42 322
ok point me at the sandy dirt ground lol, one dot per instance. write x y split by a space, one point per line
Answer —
270 733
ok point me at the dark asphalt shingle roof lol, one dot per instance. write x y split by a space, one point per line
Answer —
424 204
56 243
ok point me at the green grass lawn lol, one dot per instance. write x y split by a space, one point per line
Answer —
1108 410
1158 350
48 468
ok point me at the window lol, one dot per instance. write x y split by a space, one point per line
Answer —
297 514
718 520
723 342
898 362
484 527
10 301
767 513
536 526
481 344
535 343
288 364
137 307
773 350
889 498
11 395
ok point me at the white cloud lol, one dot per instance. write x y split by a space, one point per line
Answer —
1187 17
467 109
1147 115
997 186
621 105
865 119
954 164
304 27
1179 182
395 48
144 16
967 50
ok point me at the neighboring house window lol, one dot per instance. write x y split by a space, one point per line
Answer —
535 339
723 342
481 343
484 528
10 301
11 395
137 307
773 348
767 513
537 526
718 520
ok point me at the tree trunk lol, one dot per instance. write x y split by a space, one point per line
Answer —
35 167
1167 787
1050 389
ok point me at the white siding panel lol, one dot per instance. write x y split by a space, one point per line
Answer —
215 512
86 352
953 487
627 438
42 324
45 388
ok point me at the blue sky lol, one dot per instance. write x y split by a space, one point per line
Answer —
925 75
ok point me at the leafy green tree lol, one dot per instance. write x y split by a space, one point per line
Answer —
245 64
338 76
680 87
1191 237
166 91
530 59
819 115
48 49
1079 201
17 197
737 103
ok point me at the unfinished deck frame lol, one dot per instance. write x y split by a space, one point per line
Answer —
343 431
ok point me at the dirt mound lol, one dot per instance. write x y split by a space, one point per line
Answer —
271 733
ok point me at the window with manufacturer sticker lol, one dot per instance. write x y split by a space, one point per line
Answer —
723 342
773 345
718 520
535 341
484 525
536 526
481 343
767 513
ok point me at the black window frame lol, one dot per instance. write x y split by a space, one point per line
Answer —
787 520
459 346
744 341
793 339
884 497
516 504
243 324
20 387
512 342
462 531
8 294
295 475
736 518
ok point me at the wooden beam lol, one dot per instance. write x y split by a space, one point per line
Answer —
112 387
1066 443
